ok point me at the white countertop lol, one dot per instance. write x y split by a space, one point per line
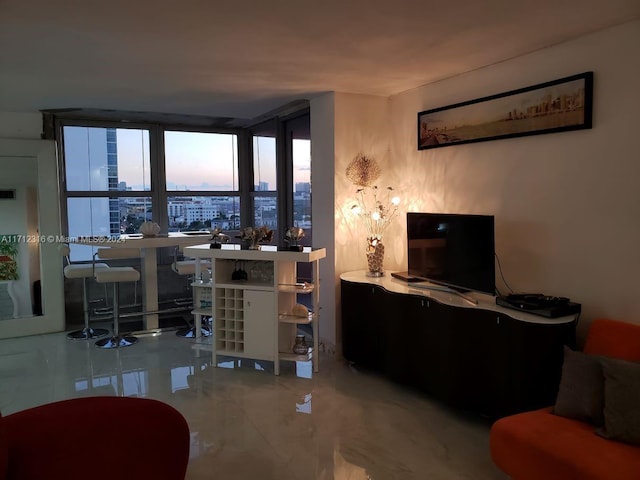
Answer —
485 301
138 240
269 253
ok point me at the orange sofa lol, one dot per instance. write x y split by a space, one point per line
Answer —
540 445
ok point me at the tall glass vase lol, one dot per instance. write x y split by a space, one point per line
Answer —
375 256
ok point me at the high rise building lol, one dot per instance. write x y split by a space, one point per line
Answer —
91 157
303 187
112 179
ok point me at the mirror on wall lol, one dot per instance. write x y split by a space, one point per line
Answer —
20 278
31 288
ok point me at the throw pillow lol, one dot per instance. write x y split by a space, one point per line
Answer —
621 401
581 391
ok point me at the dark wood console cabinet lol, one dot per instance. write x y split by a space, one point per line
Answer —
482 358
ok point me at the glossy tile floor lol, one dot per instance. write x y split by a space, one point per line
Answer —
247 423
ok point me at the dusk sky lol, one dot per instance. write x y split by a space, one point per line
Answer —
198 161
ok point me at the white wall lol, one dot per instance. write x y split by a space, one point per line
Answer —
20 125
342 126
322 208
362 127
567 205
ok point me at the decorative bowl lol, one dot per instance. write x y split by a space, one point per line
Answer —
149 229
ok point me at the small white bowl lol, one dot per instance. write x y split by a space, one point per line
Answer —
149 229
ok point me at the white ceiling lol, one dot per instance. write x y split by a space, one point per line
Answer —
243 58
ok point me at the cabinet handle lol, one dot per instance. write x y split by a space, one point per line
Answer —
422 301
497 320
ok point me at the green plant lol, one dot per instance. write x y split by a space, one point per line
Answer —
7 248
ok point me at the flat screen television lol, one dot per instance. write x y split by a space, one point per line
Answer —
455 250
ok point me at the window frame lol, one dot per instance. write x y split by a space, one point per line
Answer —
164 199
158 192
267 128
282 127
65 194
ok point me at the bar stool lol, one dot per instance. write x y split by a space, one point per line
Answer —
117 275
188 267
83 271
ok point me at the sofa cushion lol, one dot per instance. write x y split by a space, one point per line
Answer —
581 390
621 401
539 445
613 338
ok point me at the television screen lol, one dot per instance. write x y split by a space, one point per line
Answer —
455 250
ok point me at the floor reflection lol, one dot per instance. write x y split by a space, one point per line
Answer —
246 422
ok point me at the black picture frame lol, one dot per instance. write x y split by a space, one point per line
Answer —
557 106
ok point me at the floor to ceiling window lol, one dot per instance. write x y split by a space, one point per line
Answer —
299 141
107 182
281 196
265 178
117 175
201 171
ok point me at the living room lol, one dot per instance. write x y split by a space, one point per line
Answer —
558 203
565 204
558 206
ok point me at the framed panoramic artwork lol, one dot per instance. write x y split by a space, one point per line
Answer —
556 106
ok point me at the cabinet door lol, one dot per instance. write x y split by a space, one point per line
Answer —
363 314
259 324
411 338
535 363
474 355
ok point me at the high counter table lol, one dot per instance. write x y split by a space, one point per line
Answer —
148 246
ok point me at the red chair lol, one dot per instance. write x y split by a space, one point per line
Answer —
138 438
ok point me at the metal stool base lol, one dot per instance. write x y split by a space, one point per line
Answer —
119 341
190 332
88 334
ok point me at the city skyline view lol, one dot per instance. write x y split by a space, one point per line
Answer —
497 109
115 161
200 162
